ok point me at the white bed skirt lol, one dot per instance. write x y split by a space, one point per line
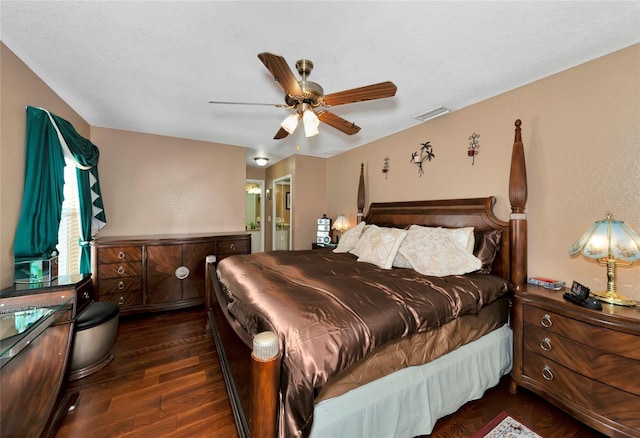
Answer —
408 402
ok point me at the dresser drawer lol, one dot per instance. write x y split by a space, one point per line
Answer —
623 344
124 299
229 247
120 269
603 366
614 404
120 254
118 285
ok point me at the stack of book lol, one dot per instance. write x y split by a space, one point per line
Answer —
546 283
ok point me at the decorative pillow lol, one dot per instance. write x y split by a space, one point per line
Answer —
437 252
487 246
350 238
379 245
463 235
401 261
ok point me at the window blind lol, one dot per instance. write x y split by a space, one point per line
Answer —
69 231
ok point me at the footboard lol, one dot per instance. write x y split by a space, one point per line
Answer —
243 375
233 353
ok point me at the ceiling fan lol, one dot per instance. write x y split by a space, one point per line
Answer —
309 100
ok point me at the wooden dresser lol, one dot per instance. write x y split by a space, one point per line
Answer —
162 272
587 362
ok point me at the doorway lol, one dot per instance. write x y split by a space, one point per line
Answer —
282 213
254 213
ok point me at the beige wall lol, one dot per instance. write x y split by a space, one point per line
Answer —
153 184
309 199
308 196
256 172
19 87
581 133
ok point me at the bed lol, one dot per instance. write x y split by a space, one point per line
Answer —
380 348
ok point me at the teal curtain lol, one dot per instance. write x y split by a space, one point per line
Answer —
92 216
37 233
49 139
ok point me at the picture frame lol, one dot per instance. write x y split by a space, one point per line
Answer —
288 201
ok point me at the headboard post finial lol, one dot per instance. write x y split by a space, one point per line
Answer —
361 194
518 200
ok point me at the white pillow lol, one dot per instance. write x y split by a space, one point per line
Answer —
350 238
464 235
433 251
401 261
379 245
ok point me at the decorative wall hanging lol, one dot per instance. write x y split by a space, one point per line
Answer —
385 167
425 153
473 147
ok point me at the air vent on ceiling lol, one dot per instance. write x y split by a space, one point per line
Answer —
433 114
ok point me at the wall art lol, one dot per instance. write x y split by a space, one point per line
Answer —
472 151
424 154
385 167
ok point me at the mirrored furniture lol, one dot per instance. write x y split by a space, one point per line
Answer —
37 326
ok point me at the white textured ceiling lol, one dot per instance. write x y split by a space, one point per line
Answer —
153 66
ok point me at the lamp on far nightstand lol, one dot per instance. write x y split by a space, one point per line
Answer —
341 224
609 242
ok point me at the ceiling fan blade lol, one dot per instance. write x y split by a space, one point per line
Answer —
281 73
370 92
280 134
338 122
277 105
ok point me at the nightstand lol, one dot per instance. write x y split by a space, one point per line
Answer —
323 245
586 362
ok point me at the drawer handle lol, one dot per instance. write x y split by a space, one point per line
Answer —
121 285
233 247
120 270
182 272
86 294
121 255
545 321
546 373
545 344
121 301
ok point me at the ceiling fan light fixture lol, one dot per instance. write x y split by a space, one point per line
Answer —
311 123
290 123
261 161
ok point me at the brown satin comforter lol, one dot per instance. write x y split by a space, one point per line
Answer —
330 311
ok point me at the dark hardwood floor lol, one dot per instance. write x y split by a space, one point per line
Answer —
165 380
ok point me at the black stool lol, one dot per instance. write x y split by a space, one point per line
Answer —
96 330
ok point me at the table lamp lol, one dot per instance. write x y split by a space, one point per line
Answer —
341 224
611 243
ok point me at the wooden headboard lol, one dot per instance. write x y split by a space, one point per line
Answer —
511 260
450 213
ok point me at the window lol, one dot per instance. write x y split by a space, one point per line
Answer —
69 231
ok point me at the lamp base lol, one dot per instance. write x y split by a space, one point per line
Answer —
613 298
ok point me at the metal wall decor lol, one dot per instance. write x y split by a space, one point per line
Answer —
385 167
472 151
419 157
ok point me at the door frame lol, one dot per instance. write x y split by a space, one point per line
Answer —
274 212
263 222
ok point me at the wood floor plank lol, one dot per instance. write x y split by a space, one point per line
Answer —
165 381
171 366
